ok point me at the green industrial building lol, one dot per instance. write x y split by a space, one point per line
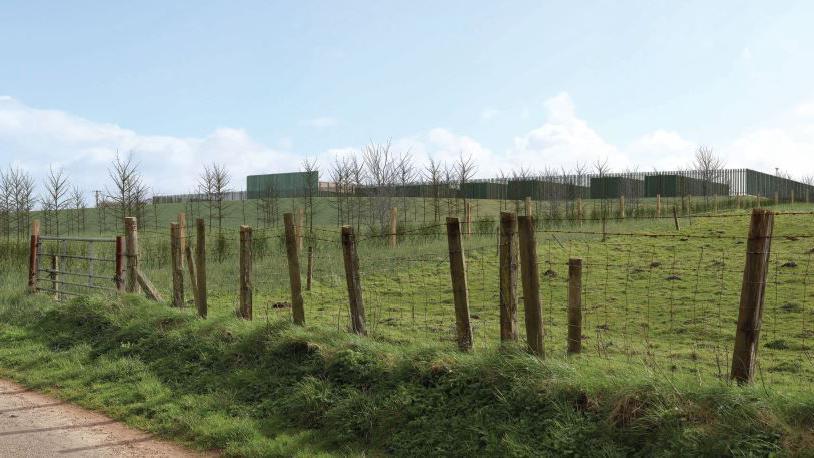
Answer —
291 184
675 185
609 187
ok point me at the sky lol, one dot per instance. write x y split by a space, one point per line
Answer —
261 85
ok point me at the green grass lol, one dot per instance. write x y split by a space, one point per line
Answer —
279 390
652 378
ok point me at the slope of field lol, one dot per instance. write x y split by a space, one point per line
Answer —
659 307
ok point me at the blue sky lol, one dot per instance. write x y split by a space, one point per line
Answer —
534 83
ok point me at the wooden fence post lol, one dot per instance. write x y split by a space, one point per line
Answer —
579 211
738 202
246 288
791 198
460 290
119 278
351 259
675 218
528 206
508 277
193 275
182 235
292 252
176 265
394 221
300 228
776 198
531 285
715 203
468 216
131 242
33 262
622 206
753 287
200 267
574 305
55 275
658 205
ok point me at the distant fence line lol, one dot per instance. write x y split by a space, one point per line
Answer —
553 187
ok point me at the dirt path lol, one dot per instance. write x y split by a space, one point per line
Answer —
34 425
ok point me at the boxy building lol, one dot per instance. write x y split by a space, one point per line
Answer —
291 184
674 185
609 187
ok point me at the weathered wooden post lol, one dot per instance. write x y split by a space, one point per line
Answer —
246 289
675 218
182 235
131 242
33 262
468 216
579 211
528 206
531 285
753 287
353 280
791 197
292 252
193 275
54 274
508 277
176 255
119 277
715 203
394 221
658 205
574 305
622 206
200 267
738 202
300 228
460 290
776 198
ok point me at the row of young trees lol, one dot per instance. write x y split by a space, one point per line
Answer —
367 185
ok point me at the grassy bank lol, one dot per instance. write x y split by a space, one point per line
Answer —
268 388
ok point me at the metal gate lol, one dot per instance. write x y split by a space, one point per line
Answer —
76 266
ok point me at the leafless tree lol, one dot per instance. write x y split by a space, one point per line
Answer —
465 168
56 195
601 170
128 195
309 166
340 175
357 179
405 171
382 175
213 183
433 173
6 203
710 168
78 204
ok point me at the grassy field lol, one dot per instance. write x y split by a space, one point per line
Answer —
659 319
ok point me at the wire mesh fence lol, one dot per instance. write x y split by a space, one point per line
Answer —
651 295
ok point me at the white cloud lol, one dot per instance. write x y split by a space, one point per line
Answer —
805 109
322 122
746 54
562 141
34 138
660 149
